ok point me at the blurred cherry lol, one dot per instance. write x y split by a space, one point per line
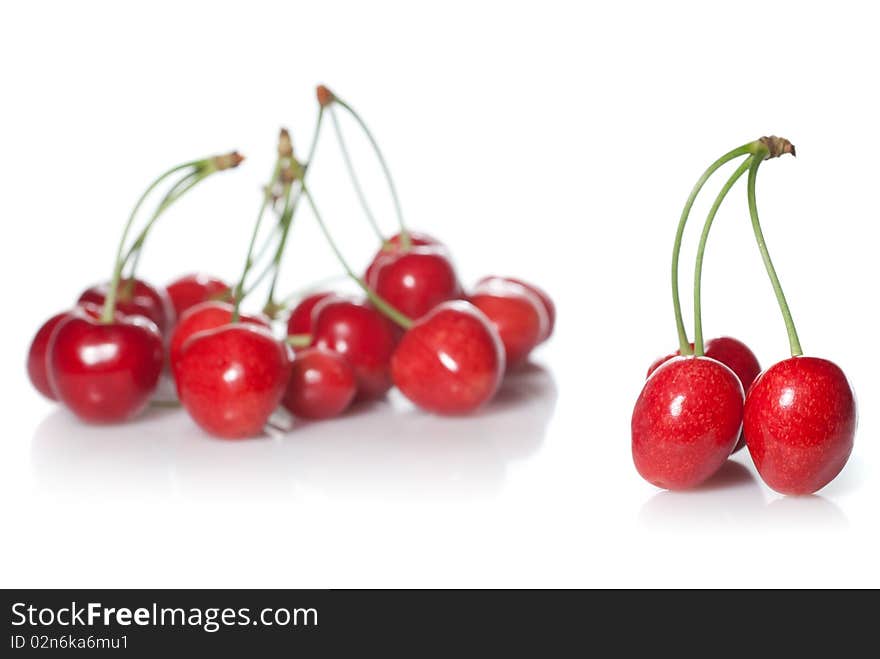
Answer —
105 372
516 312
36 361
414 281
136 298
450 361
300 320
231 379
543 296
206 316
363 336
190 290
322 385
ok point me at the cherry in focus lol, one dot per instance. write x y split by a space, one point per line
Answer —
734 354
104 372
686 422
322 385
799 424
136 297
415 281
202 317
542 295
450 361
190 290
363 336
231 379
300 320
518 314
36 361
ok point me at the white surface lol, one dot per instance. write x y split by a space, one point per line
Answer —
547 140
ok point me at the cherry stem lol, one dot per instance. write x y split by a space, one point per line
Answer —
698 268
109 310
377 301
352 175
299 340
179 189
683 343
248 263
793 340
404 234
287 214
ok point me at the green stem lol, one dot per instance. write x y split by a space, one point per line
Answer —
793 340
287 216
299 340
110 302
698 268
404 234
352 175
248 263
179 189
377 301
683 343
274 265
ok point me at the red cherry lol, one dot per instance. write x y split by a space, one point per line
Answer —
230 379
393 246
363 336
104 372
450 361
517 314
686 422
546 300
734 354
205 316
322 385
731 352
36 361
799 422
190 290
415 281
137 298
300 319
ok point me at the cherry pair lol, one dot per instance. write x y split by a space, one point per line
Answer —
797 418
103 358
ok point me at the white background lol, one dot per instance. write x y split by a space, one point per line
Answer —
549 140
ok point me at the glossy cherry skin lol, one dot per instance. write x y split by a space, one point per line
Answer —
686 422
415 281
451 361
542 295
300 319
202 317
517 314
136 298
190 290
230 379
799 423
393 246
363 336
322 385
36 361
105 372
734 354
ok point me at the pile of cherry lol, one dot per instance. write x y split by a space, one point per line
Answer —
797 418
414 327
